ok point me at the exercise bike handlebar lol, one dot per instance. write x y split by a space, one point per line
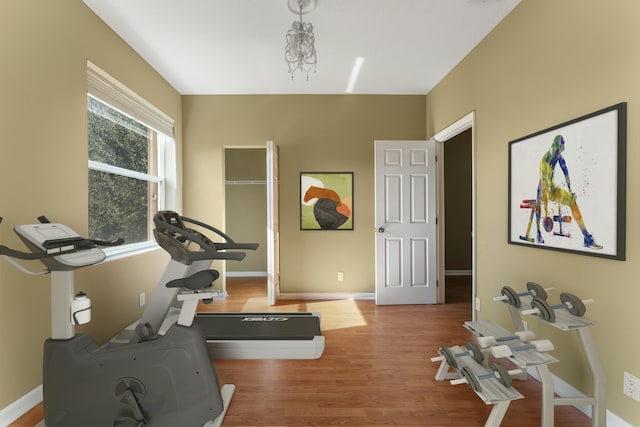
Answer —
57 247
57 254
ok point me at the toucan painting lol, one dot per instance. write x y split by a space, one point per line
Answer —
327 201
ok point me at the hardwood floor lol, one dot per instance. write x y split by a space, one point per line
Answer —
375 370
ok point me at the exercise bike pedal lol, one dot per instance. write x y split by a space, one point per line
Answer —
146 333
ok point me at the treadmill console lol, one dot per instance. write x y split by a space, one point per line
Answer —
173 236
187 245
168 217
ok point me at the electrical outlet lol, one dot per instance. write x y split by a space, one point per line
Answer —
141 299
631 386
477 303
340 276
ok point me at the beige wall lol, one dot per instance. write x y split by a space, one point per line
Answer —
44 46
548 62
314 133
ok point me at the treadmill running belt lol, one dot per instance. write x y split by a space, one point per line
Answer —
258 326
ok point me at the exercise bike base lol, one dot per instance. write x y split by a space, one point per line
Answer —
226 391
171 380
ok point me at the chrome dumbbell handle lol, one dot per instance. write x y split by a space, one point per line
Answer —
489 341
511 297
507 351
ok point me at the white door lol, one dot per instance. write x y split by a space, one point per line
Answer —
273 231
405 219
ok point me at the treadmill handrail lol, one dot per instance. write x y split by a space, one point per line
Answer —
228 244
208 251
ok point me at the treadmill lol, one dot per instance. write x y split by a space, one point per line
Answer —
294 335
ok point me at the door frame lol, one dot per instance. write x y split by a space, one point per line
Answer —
273 223
454 129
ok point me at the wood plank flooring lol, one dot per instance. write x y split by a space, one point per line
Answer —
375 370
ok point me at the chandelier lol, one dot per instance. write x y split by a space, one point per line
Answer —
300 51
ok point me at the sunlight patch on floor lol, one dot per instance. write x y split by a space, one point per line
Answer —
338 314
334 314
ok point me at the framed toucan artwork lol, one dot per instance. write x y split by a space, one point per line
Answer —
326 200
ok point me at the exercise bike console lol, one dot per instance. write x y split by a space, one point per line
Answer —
50 239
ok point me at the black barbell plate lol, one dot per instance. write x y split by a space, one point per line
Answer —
512 297
503 374
477 354
536 290
472 381
573 304
449 357
546 311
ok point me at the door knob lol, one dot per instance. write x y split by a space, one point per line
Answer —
381 230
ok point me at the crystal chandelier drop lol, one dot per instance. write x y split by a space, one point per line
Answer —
300 51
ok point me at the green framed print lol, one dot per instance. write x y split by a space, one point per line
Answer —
326 200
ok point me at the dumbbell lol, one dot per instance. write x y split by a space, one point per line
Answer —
545 311
489 341
511 297
500 351
447 355
499 372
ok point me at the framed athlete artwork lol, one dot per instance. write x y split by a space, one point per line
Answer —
326 200
567 186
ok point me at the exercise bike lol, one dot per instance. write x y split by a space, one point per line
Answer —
160 381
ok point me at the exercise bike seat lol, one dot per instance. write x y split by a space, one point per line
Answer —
200 280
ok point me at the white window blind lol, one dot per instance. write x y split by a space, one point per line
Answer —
110 91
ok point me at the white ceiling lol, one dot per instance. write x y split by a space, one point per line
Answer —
237 46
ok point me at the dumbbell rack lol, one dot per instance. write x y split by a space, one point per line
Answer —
493 392
523 359
566 321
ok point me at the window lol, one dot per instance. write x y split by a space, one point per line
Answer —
131 163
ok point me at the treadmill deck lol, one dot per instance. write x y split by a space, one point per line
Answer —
262 335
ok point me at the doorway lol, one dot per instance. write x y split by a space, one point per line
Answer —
460 136
246 208
457 224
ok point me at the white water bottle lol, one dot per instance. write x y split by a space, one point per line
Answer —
81 309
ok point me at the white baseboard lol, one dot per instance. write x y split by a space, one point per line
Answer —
327 296
20 406
458 272
564 389
246 274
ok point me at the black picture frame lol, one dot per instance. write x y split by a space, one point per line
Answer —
326 201
584 213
